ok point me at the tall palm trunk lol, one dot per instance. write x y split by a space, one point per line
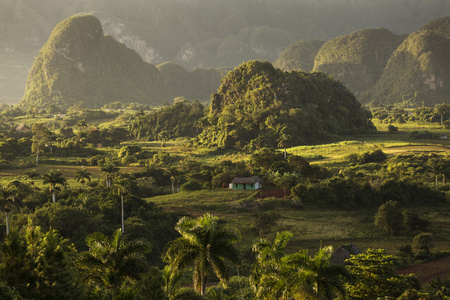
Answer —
7 222
437 183
203 287
53 195
121 203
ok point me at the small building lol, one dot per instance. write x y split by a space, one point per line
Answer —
22 128
444 136
246 183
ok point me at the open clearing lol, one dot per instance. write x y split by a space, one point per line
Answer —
427 272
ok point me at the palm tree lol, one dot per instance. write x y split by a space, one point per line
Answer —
206 244
297 275
123 187
175 176
316 276
437 166
8 200
266 277
110 263
81 175
284 141
53 178
109 169
172 280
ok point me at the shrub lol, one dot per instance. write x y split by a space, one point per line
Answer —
264 221
412 221
191 185
392 128
389 217
423 241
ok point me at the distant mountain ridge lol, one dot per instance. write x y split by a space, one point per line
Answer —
382 68
81 64
199 33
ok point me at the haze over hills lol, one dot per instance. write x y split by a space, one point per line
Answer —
199 33
358 59
81 64
418 72
380 67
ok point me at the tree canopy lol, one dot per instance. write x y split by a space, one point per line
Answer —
257 104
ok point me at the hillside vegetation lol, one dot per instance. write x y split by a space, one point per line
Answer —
418 71
258 105
299 56
383 68
357 59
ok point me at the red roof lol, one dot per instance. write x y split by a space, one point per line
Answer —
253 179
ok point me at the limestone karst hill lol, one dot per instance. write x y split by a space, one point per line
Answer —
81 64
258 106
418 72
383 68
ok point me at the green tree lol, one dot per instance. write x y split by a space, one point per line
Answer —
53 178
109 170
297 275
81 175
267 273
423 241
172 280
316 276
208 245
8 201
284 181
40 136
375 277
123 186
442 109
175 177
438 166
39 265
389 217
112 263
151 286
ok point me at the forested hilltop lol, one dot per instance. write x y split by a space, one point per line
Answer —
380 67
258 105
199 33
81 64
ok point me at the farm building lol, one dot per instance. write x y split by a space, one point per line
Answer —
246 183
22 128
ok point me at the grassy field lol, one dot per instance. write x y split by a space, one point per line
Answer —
311 226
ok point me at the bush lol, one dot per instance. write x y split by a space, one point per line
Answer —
392 128
369 157
412 221
191 185
264 221
389 217
423 241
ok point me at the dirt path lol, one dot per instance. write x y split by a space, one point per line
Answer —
429 271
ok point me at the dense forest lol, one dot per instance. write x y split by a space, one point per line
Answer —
82 219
